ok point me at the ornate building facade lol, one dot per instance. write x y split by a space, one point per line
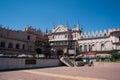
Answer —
28 42
100 43
73 41
62 39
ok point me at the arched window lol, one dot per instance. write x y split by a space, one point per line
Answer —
119 38
10 45
28 37
88 37
93 36
71 36
85 48
80 47
90 47
96 35
102 47
2 44
100 35
105 34
23 46
81 37
84 36
17 46
75 35
53 36
65 35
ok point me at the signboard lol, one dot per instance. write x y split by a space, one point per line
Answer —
30 61
71 51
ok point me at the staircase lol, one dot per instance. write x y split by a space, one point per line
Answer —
66 61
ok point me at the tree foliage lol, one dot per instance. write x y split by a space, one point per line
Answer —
115 55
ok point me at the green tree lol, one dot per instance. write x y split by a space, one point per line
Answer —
115 55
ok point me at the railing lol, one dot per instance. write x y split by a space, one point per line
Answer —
67 62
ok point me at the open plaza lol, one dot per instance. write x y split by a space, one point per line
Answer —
100 71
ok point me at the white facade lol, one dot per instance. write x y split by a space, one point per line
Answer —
98 41
63 39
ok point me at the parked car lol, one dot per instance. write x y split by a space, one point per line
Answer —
80 63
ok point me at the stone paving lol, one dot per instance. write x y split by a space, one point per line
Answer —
64 73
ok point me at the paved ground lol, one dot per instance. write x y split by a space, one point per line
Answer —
64 73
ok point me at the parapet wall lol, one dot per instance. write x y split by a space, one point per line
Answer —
21 63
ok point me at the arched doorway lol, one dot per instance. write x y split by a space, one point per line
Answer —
60 53
39 51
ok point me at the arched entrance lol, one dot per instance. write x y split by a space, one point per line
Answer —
39 51
60 53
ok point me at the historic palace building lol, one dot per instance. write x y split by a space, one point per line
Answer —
99 43
65 41
27 42
60 41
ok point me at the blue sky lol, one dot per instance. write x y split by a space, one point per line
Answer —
91 14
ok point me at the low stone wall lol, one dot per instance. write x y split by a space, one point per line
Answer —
107 64
21 63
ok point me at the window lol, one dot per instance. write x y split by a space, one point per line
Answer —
119 38
71 36
75 35
65 43
59 30
10 45
66 36
105 34
58 43
17 46
88 36
81 37
23 47
2 44
100 35
84 36
92 36
53 36
72 47
85 48
90 48
31 48
28 37
102 47
80 47
96 35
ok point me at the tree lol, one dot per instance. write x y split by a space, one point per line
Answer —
115 55
47 51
